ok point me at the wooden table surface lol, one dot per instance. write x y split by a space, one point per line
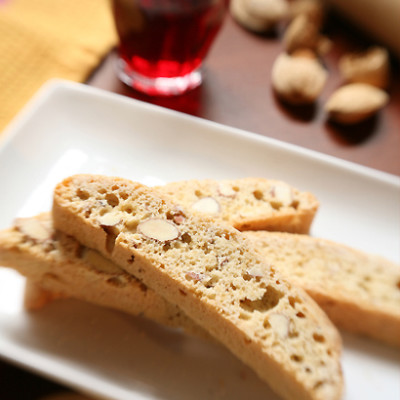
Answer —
237 92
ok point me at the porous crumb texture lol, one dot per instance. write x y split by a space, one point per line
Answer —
248 203
56 265
212 272
360 292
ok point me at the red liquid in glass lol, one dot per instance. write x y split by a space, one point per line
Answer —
166 38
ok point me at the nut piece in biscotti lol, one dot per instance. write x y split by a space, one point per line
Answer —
298 79
247 203
371 67
259 15
58 266
214 274
359 292
354 103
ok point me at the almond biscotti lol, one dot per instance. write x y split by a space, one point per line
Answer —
248 203
56 266
213 273
359 292
36 297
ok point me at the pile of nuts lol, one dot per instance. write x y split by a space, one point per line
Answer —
298 74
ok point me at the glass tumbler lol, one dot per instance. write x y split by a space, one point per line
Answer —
163 43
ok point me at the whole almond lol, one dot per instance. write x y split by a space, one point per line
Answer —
313 9
297 79
272 10
259 15
355 102
301 33
371 66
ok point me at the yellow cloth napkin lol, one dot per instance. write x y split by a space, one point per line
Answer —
44 39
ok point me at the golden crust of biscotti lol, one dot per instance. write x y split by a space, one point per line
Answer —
247 203
35 297
57 266
359 291
212 272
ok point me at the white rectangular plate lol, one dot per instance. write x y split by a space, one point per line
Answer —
70 128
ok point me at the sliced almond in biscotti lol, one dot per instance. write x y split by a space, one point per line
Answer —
62 267
359 292
247 203
231 303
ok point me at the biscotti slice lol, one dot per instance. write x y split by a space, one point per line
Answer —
213 273
360 292
36 297
248 203
56 265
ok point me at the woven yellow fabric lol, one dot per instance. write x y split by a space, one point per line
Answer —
44 39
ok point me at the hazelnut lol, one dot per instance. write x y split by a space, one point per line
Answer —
298 80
